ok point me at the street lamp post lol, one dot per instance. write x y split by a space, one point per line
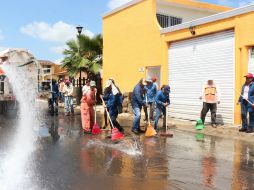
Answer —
79 29
79 95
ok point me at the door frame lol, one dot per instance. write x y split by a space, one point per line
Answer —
159 68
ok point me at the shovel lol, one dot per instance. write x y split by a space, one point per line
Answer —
150 131
116 134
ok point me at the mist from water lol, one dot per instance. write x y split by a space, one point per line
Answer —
13 169
131 146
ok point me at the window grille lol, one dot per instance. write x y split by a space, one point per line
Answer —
166 21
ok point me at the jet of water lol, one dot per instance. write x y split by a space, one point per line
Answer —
13 167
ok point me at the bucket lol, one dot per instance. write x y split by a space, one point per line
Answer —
199 125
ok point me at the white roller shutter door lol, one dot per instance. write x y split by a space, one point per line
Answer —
191 63
251 60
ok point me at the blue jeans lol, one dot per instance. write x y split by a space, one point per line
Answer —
137 117
244 111
251 120
158 114
61 97
68 101
151 106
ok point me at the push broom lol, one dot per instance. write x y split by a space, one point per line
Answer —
116 134
150 131
96 129
166 134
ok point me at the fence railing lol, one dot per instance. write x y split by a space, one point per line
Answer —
76 82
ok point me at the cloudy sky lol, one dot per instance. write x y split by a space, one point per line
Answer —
43 27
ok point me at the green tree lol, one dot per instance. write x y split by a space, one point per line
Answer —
83 55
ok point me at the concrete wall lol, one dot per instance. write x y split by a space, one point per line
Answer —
132 40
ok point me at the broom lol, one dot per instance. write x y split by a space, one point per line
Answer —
96 129
243 97
166 134
150 131
116 134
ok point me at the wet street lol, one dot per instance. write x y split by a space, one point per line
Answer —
70 160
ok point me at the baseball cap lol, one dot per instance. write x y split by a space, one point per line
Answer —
154 78
92 83
108 83
67 82
167 88
144 81
249 75
149 80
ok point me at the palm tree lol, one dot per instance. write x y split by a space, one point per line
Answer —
83 55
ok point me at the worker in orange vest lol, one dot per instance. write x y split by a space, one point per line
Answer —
211 97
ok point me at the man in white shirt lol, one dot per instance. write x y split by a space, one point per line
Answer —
68 98
211 97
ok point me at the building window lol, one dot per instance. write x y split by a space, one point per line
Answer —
252 52
166 21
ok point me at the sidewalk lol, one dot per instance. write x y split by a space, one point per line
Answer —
225 131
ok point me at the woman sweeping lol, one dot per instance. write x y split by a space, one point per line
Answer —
86 108
113 99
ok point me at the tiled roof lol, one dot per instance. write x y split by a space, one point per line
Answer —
46 62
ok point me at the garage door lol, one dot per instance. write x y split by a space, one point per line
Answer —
251 60
191 63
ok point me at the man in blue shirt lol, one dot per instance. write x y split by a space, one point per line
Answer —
243 100
55 96
251 108
113 100
137 101
162 101
151 90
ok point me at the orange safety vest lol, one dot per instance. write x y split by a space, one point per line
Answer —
1 72
210 93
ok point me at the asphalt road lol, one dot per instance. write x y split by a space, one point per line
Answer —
66 159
